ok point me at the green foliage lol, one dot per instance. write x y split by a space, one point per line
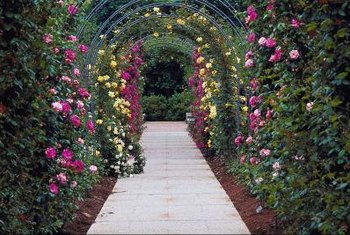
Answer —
309 133
178 105
155 107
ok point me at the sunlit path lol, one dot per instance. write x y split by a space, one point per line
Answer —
178 193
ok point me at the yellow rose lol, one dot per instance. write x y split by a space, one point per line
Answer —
111 94
156 34
169 26
114 84
209 65
245 108
108 85
113 64
200 60
99 121
98 153
202 72
181 22
156 9
214 72
199 39
147 14
100 78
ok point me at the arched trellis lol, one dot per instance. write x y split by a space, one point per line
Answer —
95 45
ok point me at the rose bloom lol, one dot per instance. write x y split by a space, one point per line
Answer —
251 37
72 38
269 7
295 23
83 48
56 50
54 188
90 126
47 38
238 140
269 114
276 166
65 107
72 10
249 63
262 41
265 152
83 92
254 84
276 56
270 42
67 154
249 140
76 72
93 168
248 55
242 159
50 152
73 184
253 160
53 91
294 54
57 106
62 178
309 106
80 141
126 76
80 104
75 120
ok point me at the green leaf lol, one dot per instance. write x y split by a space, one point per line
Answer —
341 33
342 75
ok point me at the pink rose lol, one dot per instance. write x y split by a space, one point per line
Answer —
66 79
80 141
295 23
270 42
73 184
238 140
265 152
93 168
269 7
76 72
80 104
249 140
252 15
276 166
53 91
251 37
242 159
126 76
62 178
50 153
54 188
57 106
47 38
262 41
78 166
248 55
83 93
70 100
75 120
253 160
249 63
65 107
56 50
83 48
254 100
276 56
67 154
294 54
72 10
269 114
90 126
254 84
72 38
69 56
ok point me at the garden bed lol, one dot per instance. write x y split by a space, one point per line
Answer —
245 203
88 210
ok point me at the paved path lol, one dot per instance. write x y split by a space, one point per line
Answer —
177 194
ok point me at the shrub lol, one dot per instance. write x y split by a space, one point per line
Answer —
178 105
155 107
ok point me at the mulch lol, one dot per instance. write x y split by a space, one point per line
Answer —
88 210
245 203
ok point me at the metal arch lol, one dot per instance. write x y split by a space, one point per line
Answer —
225 3
208 17
179 5
218 26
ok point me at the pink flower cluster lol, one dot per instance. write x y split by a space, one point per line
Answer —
251 14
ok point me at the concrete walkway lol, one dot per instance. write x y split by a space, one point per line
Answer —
177 194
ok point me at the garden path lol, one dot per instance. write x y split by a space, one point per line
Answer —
177 194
